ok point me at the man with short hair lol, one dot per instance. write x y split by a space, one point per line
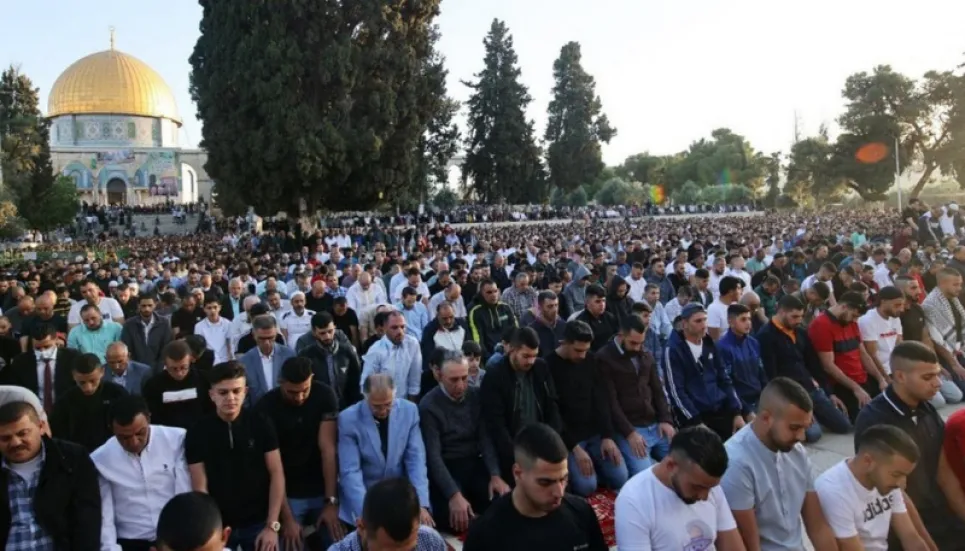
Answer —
95 335
215 331
862 497
175 395
520 297
538 513
251 505
108 307
741 354
141 467
263 362
678 503
518 391
43 313
490 317
304 413
881 327
390 520
836 338
334 359
191 522
147 334
379 438
603 323
444 331
81 415
463 468
62 513
767 461
398 354
44 369
700 388
936 501
121 370
731 289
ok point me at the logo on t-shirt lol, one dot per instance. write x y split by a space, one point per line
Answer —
701 537
880 506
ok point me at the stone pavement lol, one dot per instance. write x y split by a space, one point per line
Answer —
826 453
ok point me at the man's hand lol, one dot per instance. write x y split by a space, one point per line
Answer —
959 370
883 384
425 518
497 487
862 396
749 418
839 404
738 423
329 518
666 430
460 513
267 540
291 534
637 444
610 451
583 461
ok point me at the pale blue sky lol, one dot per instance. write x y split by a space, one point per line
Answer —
668 71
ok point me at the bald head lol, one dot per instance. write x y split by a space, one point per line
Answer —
751 300
377 383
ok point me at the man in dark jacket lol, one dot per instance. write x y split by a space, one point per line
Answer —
699 386
147 334
618 301
444 331
45 353
549 326
638 407
584 409
516 392
62 513
489 317
82 415
603 323
741 354
334 360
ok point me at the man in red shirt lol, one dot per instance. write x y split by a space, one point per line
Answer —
837 340
954 445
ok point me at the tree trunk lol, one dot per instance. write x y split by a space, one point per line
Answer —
922 181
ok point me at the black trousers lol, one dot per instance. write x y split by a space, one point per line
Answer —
720 422
848 398
135 545
472 477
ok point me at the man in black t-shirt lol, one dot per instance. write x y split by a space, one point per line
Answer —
184 319
233 455
305 414
538 513
346 320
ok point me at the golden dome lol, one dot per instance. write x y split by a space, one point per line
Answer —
112 82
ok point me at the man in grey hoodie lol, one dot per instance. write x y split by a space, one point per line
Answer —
576 290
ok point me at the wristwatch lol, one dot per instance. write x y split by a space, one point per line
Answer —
275 526
331 501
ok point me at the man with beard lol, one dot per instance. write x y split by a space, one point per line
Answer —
140 468
95 335
397 354
297 321
174 395
603 323
677 503
546 322
881 328
767 458
334 360
146 334
538 513
81 415
862 497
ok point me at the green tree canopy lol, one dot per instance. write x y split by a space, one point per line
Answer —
323 103
576 125
502 161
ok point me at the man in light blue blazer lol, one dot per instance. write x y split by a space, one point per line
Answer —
263 362
121 370
379 438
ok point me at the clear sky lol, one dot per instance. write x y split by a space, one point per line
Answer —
668 71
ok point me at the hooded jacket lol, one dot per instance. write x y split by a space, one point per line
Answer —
742 360
698 387
622 308
486 324
347 368
667 291
574 292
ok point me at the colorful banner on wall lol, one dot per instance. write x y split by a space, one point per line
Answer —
115 157
161 170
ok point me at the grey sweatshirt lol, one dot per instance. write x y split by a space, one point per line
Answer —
454 430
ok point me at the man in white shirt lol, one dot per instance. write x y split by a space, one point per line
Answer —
110 308
677 504
730 290
140 468
362 294
215 330
881 327
297 321
862 497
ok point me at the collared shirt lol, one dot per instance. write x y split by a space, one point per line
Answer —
428 540
147 327
25 533
268 367
41 368
95 342
403 362
134 488
773 484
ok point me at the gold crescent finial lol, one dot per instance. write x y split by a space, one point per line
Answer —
112 37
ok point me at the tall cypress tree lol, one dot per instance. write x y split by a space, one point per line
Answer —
318 104
502 161
576 124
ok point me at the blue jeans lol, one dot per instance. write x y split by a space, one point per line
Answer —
306 511
827 415
657 448
244 537
612 475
